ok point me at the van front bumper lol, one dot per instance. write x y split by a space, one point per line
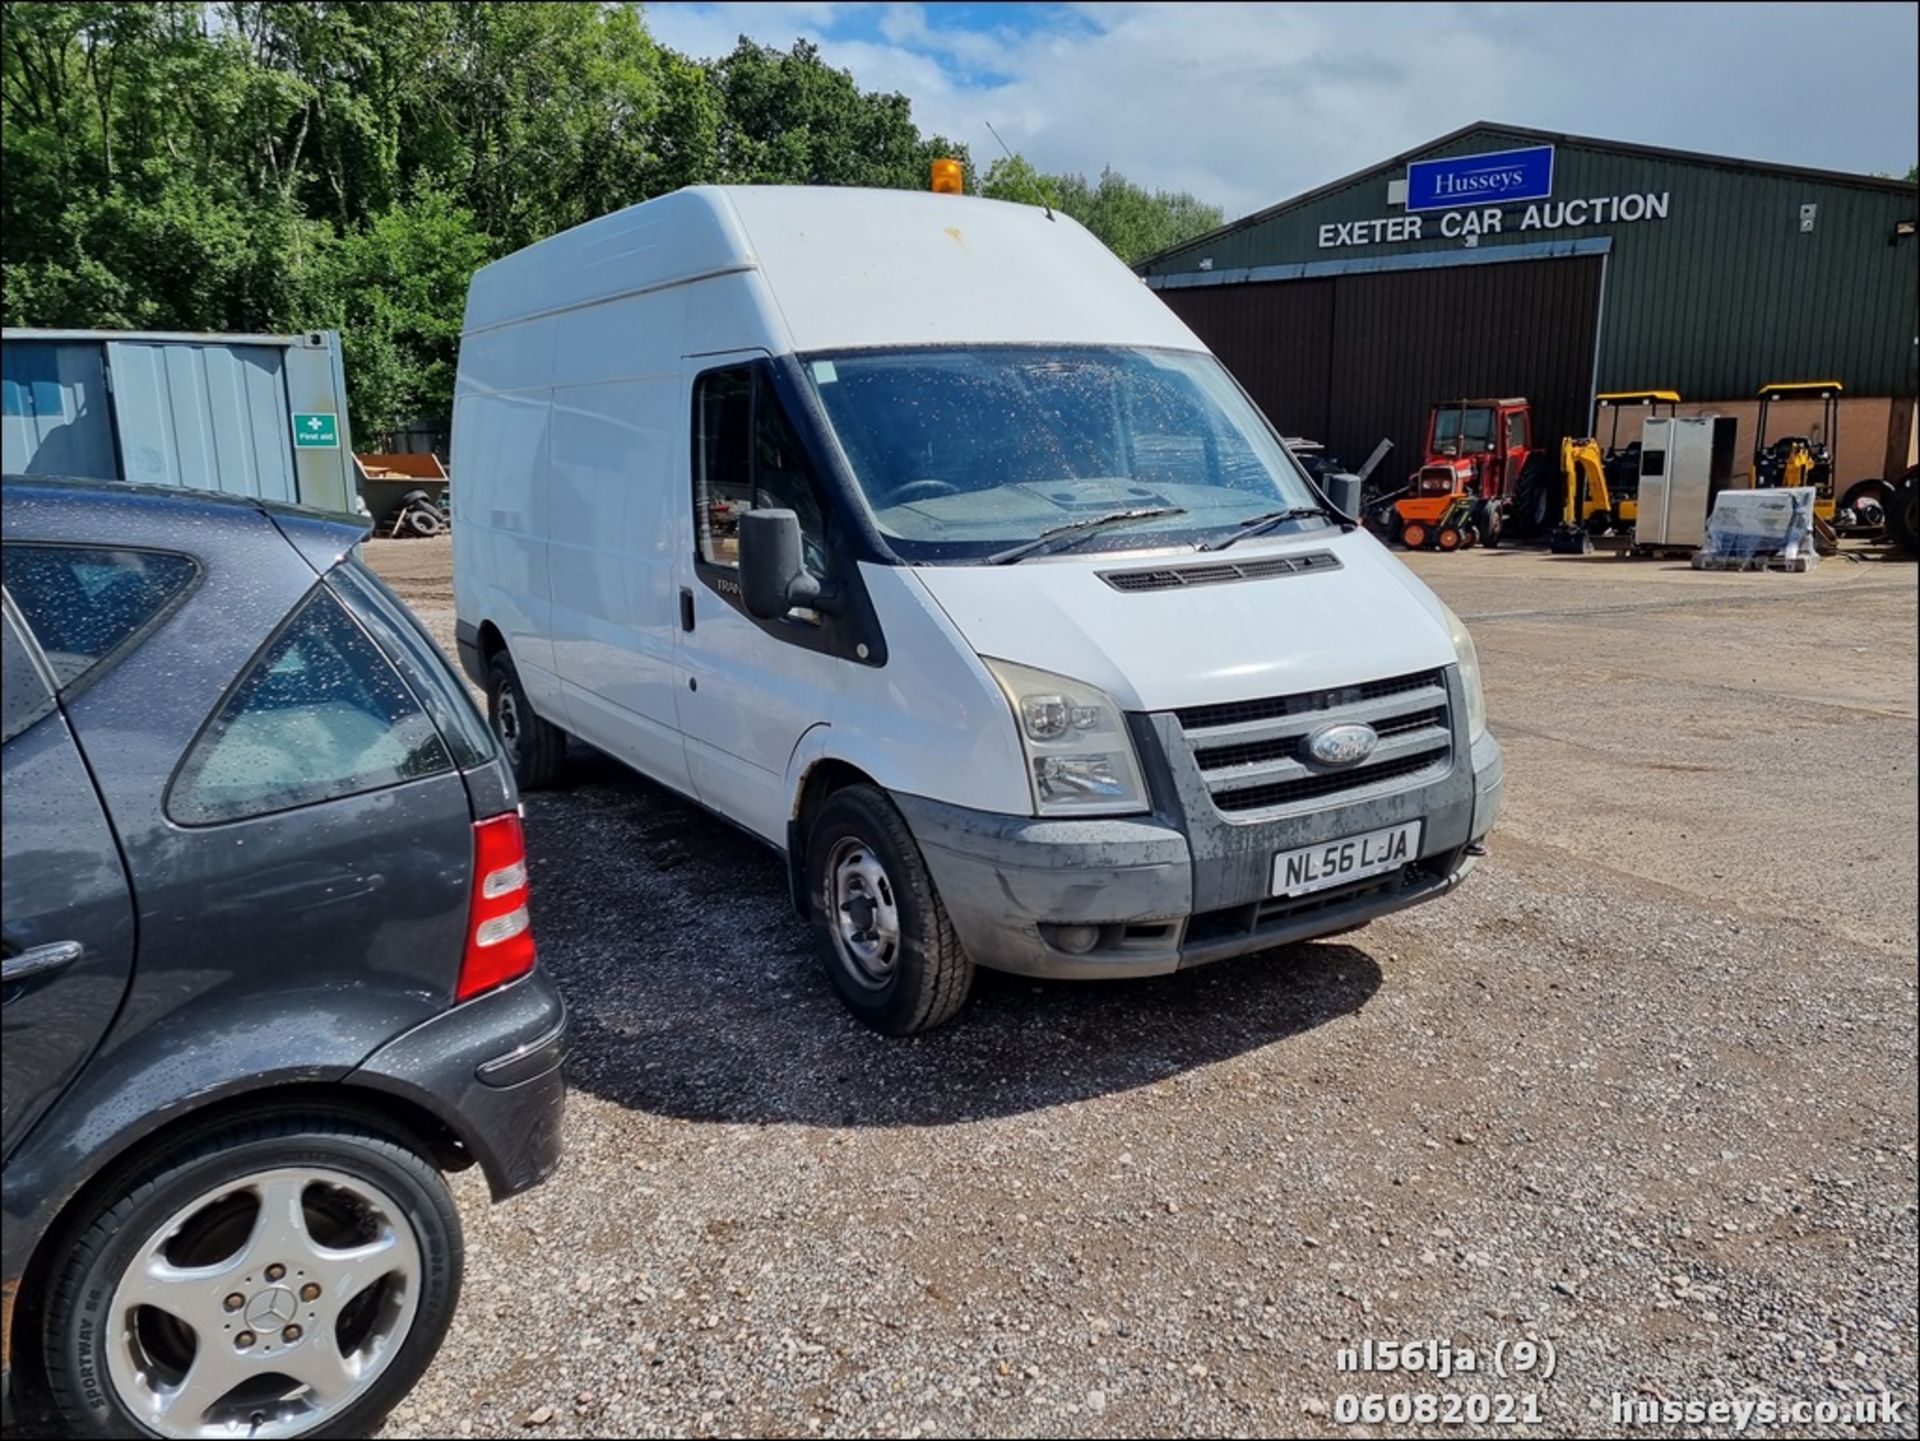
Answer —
1183 886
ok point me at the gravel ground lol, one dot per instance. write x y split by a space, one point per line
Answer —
1662 1118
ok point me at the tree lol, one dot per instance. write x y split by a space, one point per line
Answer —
791 119
396 291
1133 221
280 165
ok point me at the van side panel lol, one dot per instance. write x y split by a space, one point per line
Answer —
501 418
733 313
616 492
931 722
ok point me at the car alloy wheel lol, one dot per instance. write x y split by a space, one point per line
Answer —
264 1307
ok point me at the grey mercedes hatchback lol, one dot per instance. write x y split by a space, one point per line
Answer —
268 970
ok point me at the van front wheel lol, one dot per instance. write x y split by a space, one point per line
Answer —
883 934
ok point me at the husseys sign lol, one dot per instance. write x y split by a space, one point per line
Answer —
1476 179
1464 197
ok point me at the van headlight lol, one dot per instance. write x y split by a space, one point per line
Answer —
1469 660
1080 759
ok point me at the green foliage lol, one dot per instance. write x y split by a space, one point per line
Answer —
299 164
788 119
1134 222
395 290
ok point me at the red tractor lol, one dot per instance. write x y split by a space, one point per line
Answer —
1479 455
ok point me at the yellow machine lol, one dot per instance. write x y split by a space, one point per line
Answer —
1797 460
1600 489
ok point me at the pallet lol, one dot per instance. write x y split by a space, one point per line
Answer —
1791 564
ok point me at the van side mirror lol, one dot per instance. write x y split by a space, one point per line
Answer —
1342 491
773 575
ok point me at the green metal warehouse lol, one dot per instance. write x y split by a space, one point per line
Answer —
1504 261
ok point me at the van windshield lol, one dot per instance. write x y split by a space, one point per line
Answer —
962 452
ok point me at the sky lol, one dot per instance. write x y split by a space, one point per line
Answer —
1245 105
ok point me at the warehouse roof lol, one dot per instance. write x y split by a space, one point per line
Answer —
1545 137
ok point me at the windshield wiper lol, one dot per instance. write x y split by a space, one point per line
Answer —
1261 524
1057 538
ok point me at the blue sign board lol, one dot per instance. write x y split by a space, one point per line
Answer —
1495 179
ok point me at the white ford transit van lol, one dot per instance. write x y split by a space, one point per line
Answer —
913 534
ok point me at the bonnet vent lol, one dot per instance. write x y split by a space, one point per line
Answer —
1220 572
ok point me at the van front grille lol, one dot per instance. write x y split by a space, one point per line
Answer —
1253 754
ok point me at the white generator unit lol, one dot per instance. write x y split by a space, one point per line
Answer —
1685 461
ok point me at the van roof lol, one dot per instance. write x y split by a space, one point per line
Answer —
847 268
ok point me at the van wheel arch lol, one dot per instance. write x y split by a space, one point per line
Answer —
823 778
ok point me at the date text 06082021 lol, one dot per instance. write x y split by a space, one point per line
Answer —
1438 1408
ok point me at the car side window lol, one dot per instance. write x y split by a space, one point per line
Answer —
86 605
747 456
1517 431
24 695
319 715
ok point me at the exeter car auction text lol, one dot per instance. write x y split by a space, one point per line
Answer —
1548 215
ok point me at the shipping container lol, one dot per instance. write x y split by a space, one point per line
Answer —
255 415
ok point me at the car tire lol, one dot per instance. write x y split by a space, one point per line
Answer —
423 520
882 930
107 1377
536 749
1413 535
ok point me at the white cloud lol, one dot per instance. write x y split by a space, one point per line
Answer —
1247 104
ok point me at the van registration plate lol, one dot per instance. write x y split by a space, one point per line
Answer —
1333 863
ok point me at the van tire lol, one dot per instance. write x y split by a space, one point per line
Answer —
536 749
927 978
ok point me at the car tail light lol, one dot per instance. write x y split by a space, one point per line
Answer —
499 931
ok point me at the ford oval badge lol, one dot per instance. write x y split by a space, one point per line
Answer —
1346 743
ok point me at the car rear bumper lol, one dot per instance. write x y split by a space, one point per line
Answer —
1166 894
491 1070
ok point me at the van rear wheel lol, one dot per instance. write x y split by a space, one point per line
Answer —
882 931
536 749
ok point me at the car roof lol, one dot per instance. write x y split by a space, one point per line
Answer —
72 508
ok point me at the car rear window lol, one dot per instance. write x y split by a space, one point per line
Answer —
388 620
319 715
87 605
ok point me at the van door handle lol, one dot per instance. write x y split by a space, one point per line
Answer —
686 608
39 960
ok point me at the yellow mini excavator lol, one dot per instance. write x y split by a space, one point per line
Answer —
1600 490
1795 460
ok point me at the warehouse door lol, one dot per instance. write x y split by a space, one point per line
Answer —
1275 337
1350 359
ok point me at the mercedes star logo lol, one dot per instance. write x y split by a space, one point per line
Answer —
272 1308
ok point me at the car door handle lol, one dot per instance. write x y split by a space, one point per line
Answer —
686 607
38 960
